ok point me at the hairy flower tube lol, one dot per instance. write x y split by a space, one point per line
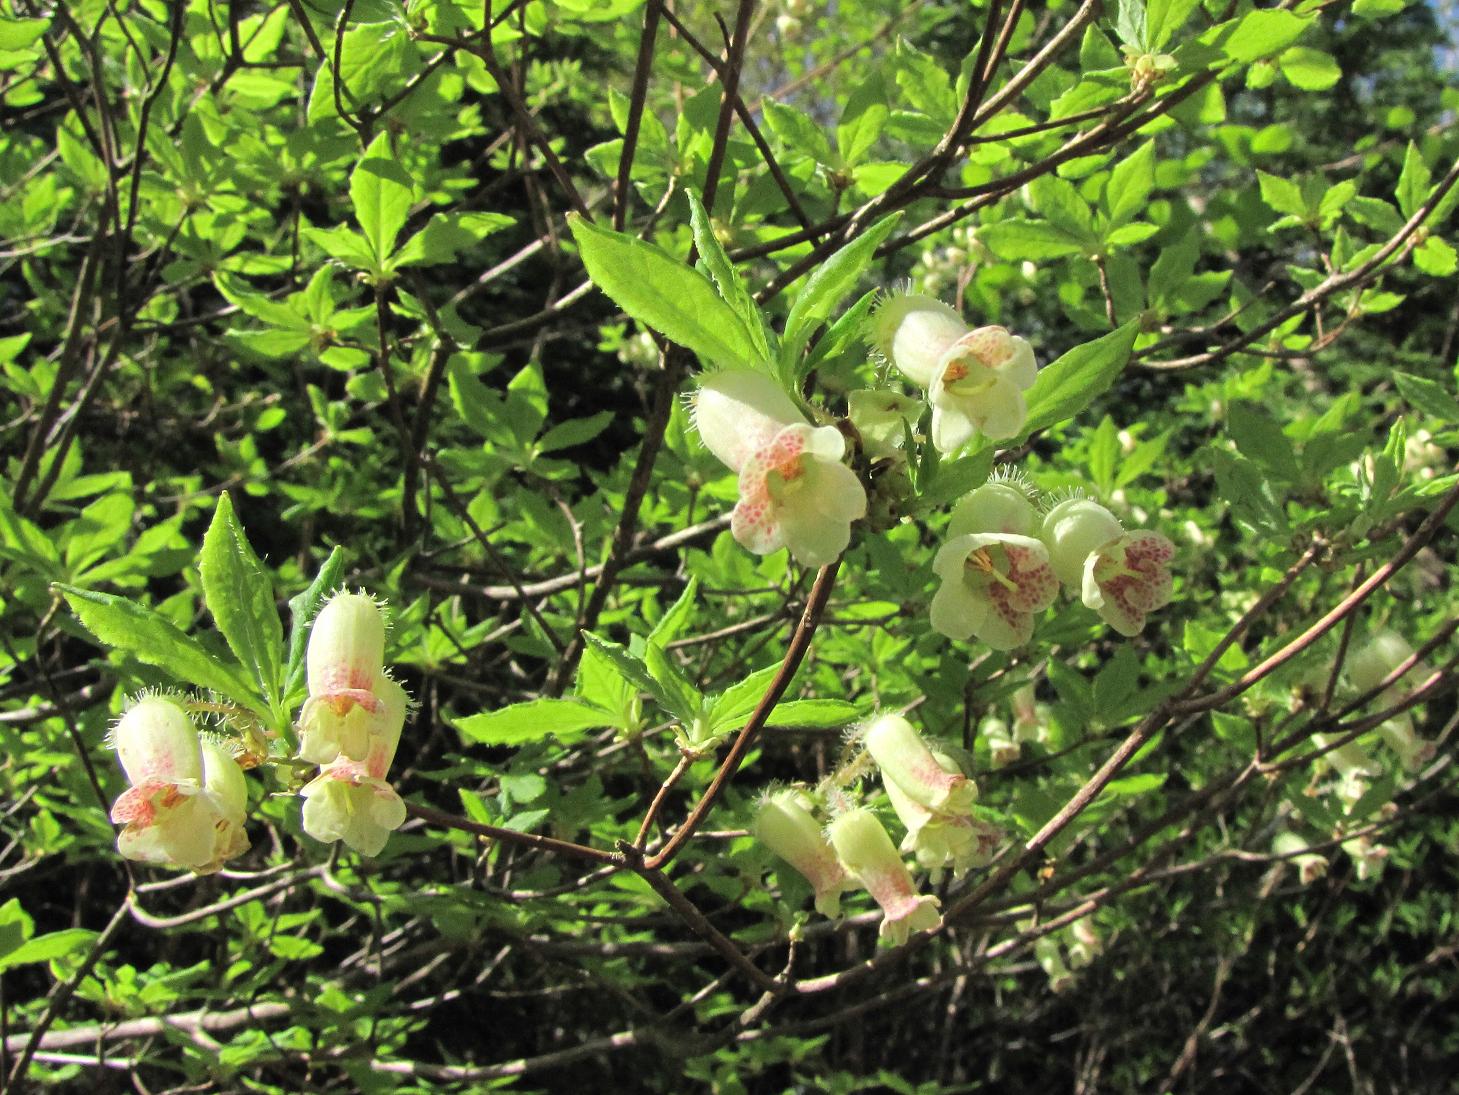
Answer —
975 379
795 492
868 853
350 800
995 574
1310 865
784 825
905 759
348 687
1122 575
186 803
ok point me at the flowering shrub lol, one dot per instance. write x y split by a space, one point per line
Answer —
909 531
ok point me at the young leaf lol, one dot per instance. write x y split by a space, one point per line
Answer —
1428 396
638 674
829 284
726 278
1413 182
566 720
1070 384
1130 184
239 592
661 292
381 192
303 607
152 638
673 622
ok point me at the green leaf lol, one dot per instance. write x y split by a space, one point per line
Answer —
21 33
1248 492
381 192
1164 17
1070 384
565 720
152 638
797 131
1104 454
1130 24
633 670
1256 34
446 235
733 706
815 714
575 431
43 948
662 293
675 692
1281 194
725 277
1018 240
1310 69
1260 438
862 121
343 244
671 625
303 607
1413 182
1057 201
1436 257
239 592
1130 183
1428 396
829 284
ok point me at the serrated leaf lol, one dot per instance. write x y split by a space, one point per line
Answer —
1413 182
816 714
1164 17
862 120
636 672
671 625
1428 396
1259 437
43 948
446 235
1283 195
725 277
1435 257
829 284
381 192
734 705
565 720
238 590
1020 240
152 638
1071 383
662 293
1130 183
575 431
303 607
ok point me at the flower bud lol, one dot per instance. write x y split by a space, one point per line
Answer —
787 828
905 759
738 412
867 852
346 650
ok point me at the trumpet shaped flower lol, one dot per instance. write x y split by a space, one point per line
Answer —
995 574
795 492
868 853
975 378
1367 669
350 800
1122 575
787 828
350 695
905 760
186 803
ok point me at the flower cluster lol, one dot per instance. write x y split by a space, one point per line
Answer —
931 797
1002 563
351 725
187 799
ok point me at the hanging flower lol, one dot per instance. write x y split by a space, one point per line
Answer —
186 803
905 759
348 685
1310 865
794 490
350 799
787 828
882 418
975 379
995 575
868 853
1366 668
1122 575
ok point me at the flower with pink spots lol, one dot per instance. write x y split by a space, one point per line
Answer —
1124 576
795 492
995 575
868 853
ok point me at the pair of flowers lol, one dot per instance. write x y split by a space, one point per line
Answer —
1004 562
931 797
188 798
795 492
